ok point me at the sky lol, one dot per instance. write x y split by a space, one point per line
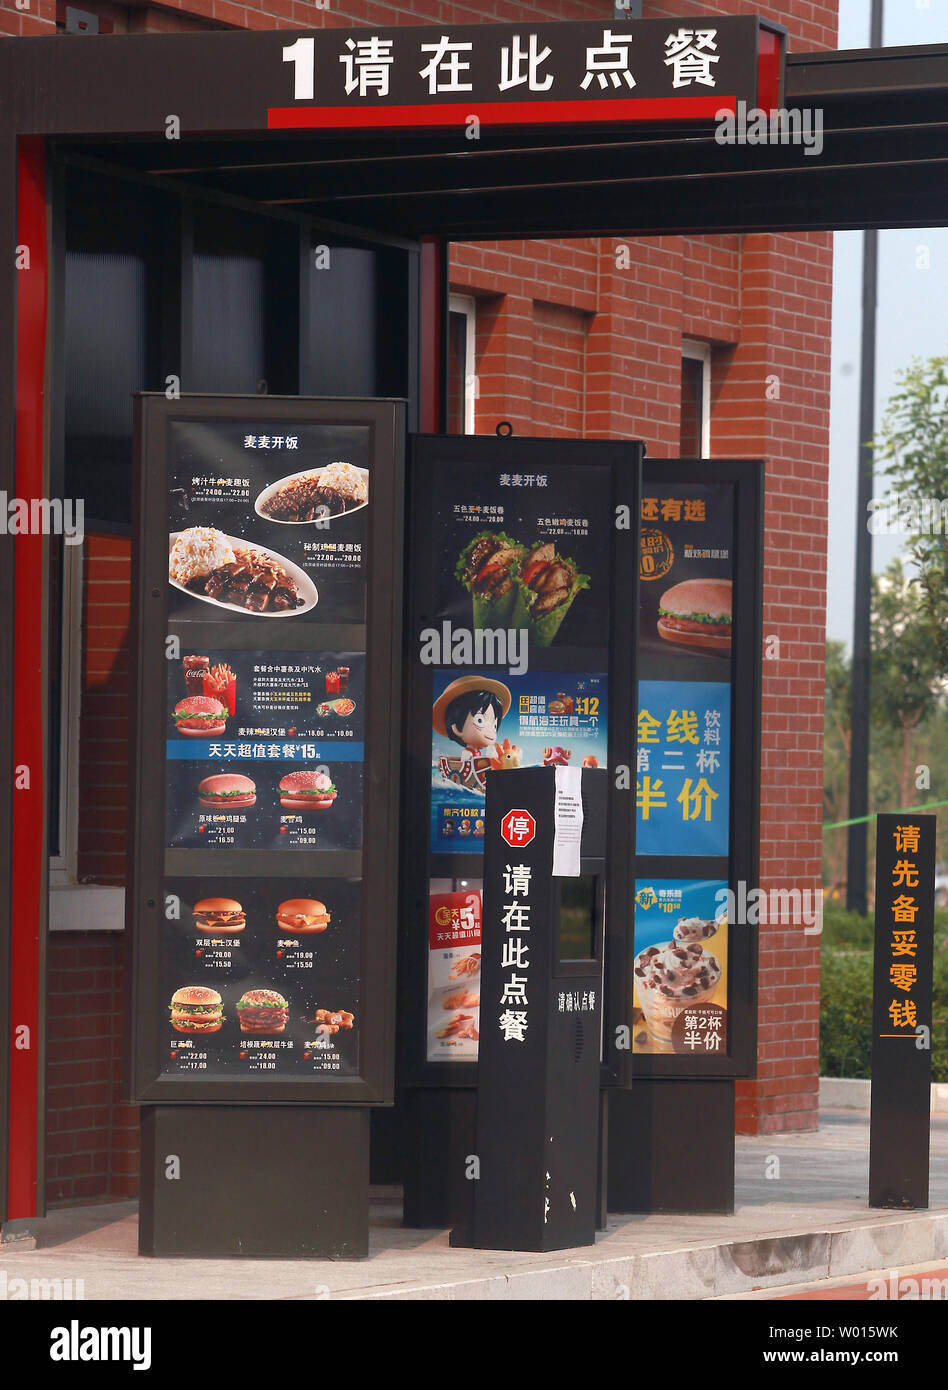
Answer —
912 320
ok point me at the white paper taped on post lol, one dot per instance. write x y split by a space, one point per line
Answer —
567 822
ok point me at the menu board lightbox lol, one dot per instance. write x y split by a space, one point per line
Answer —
513 616
265 778
690 996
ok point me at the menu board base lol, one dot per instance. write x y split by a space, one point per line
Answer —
656 1128
254 1181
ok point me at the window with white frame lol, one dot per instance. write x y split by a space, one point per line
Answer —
695 437
462 376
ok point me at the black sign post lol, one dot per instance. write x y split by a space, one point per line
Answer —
899 1119
533 1174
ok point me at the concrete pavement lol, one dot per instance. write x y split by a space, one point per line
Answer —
801 1216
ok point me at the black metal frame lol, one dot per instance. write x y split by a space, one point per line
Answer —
377 863
8 215
743 863
526 452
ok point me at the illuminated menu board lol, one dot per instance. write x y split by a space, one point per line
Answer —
269 610
696 712
511 620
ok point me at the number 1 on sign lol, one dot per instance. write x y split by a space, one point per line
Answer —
302 55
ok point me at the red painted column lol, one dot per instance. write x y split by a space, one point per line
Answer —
29 695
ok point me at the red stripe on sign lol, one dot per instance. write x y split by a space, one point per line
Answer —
769 45
28 839
457 113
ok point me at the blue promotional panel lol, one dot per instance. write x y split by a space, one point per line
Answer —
682 775
264 749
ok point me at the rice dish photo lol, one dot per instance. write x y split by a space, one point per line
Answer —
339 487
210 565
196 552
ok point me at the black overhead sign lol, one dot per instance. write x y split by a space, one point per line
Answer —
638 70
408 77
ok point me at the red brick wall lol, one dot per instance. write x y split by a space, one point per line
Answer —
92 1136
764 303
812 23
104 715
92 1140
786 309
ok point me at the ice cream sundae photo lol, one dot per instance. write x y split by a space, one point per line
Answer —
669 978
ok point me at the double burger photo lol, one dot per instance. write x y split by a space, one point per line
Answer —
262 1011
219 916
196 1009
226 916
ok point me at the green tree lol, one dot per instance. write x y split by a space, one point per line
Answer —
913 446
836 742
904 674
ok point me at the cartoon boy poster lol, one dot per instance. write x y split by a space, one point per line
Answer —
481 724
468 712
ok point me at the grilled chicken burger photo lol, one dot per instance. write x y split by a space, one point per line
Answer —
548 584
697 613
307 790
227 791
199 716
196 1009
262 1011
487 568
303 915
219 915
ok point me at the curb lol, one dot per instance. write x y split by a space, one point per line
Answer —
840 1093
705 1272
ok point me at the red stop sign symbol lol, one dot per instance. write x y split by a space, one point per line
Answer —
518 828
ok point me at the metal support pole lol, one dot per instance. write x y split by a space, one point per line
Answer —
859 716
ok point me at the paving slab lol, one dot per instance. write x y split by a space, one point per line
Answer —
801 1216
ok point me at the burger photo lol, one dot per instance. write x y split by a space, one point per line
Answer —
219 915
262 1011
307 790
697 613
196 1009
303 915
199 716
226 790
